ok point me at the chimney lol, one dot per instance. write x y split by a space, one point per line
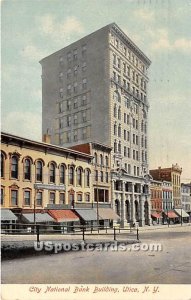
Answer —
46 138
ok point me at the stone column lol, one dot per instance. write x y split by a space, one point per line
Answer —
123 219
132 214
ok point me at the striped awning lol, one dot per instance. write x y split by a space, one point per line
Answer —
87 214
156 215
108 214
39 218
7 215
181 213
63 215
171 214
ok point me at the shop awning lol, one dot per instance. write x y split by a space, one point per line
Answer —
87 214
156 215
40 218
108 214
63 215
171 214
7 215
181 213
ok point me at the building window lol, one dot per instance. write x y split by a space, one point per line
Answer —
95 158
27 196
52 198
119 147
68 105
106 161
75 119
14 197
75 87
84 100
2 196
69 56
87 197
71 175
75 54
62 174
39 199
96 175
39 171
119 131
84 50
61 92
84 67
68 136
84 117
68 120
84 83
27 169
75 70
125 151
107 177
119 113
134 170
71 199
87 178
114 59
115 111
116 96
79 197
101 159
69 89
75 102
79 176
62 198
52 173
101 176
61 77
2 164
14 167
75 135
115 147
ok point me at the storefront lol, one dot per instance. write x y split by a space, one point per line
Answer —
107 216
67 219
8 220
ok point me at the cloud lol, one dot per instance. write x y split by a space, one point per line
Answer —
144 14
55 29
161 41
32 52
27 124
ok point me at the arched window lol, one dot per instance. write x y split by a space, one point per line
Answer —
115 147
39 171
115 129
119 147
115 111
101 159
119 113
27 169
87 177
119 130
14 167
62 174
106 161
116 96
79 176
71 175
2 164
95 156
52 173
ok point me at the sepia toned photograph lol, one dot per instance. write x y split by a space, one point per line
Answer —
95 149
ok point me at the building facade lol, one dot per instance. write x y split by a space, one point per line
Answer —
96 89
167 195
186 196
156 201
172 174
25 163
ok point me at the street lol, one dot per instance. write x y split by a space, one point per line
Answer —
172 265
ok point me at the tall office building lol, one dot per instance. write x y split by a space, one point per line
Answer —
96 90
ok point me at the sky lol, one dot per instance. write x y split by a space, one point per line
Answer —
32 30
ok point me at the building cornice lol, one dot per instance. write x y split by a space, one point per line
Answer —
130 43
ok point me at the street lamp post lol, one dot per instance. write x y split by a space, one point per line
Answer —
167 212
181 215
